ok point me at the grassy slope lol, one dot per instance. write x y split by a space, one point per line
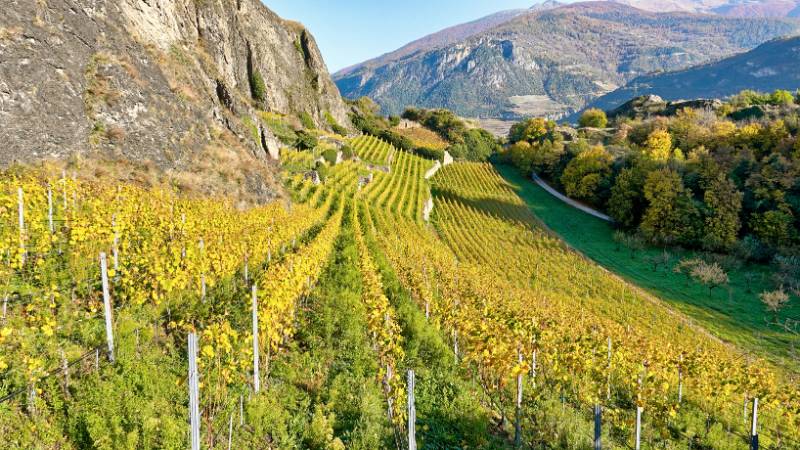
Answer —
740 319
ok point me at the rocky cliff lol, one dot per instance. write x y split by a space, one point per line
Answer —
153 81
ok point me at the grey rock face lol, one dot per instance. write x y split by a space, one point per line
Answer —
150 80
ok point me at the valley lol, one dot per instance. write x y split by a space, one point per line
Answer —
209 242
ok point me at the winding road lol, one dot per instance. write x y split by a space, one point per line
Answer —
568 200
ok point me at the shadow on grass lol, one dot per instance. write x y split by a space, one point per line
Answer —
736 316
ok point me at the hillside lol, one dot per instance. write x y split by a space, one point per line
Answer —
438 39
172 84
731 8
302 335
771 66
555 61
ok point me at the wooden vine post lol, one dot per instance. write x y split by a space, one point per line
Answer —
107 306
256 376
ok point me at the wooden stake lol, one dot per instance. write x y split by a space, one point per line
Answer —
50 209
638 444
680 380
412 412
107 306
608 376
754 426
21 218
194 393
230 431
256 350
597 428
115 248
518 415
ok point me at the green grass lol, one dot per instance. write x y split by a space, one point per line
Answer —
737 317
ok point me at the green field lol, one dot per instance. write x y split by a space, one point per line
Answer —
734 315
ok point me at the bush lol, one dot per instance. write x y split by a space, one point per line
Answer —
338 129
307 121
429 153
305 140
330 155
347 152
593 118
478 145
257 87
397 140
322 170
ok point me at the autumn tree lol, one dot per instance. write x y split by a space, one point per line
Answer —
670 212
593 118
724 203
531 130
775 301
659 146
712 275
627 198
587 173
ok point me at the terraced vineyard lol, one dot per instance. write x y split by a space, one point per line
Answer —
403 190
373 150
513 337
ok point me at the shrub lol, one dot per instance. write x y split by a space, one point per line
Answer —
330 155
338 129
305 140
307 121
593 118
257 87
429 153
347 152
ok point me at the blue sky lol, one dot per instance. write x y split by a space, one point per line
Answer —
351 31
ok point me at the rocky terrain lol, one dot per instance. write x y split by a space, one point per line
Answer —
554 61
771 66
732 8
162 82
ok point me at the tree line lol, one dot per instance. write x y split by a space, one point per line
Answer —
723 180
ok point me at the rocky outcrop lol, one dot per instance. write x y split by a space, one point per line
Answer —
652 105
152 80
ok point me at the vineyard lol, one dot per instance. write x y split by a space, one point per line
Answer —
373 150
309 314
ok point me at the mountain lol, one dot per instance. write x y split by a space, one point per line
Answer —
554 61
441 38
156 81
773 65
732 8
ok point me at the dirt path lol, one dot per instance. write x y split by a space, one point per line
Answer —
568 200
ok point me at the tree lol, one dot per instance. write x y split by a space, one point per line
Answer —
587 173
724 203
531 130
593 118
522 155
659 145
781 98
773 227
685 267
627 199
712 275
478 145
775 301
662 221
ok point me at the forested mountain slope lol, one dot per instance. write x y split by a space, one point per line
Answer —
771 66
554 61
